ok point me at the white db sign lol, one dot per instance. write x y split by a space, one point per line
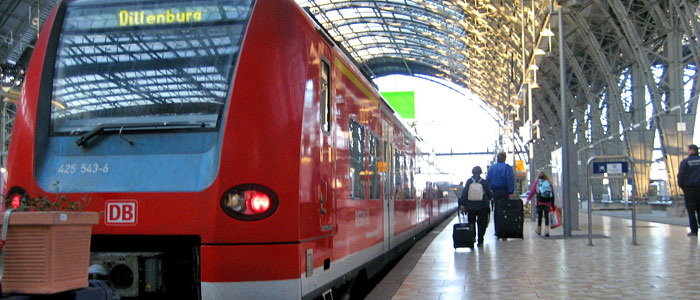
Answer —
121 212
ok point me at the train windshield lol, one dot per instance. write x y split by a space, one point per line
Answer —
135 62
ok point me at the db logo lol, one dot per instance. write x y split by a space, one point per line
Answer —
121 212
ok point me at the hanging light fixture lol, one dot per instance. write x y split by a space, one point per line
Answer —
533 84
547 32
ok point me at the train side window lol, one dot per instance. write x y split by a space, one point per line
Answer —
373 165
325 96
407 189
357 160
363 163
354 158
413 187
398 182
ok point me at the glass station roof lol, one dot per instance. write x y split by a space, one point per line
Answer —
475 44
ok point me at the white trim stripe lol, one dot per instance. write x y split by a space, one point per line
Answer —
339 268
260 290
346 264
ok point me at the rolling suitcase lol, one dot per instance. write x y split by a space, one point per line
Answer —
463 233
509 219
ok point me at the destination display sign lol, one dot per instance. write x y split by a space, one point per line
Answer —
610 167
132 18
87 17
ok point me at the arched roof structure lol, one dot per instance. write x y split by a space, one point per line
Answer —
475 44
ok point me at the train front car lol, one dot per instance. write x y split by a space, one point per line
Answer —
181 122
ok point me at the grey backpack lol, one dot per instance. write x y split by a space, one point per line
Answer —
476 191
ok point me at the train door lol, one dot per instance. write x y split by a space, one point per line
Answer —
388 178
327 160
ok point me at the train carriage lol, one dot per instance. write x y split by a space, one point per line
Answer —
233 148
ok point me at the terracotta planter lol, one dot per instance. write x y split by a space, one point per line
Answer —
47 252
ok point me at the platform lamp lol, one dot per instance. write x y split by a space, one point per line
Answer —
549 34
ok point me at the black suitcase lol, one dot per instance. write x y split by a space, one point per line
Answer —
509 219
463 234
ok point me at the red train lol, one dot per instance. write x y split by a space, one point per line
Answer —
233 148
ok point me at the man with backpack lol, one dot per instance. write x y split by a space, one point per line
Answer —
475 201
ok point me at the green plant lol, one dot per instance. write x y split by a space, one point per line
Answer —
44 204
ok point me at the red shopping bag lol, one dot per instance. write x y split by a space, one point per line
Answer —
554 217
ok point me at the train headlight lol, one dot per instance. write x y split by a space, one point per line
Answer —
249 202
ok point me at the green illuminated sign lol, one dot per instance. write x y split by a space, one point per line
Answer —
403 103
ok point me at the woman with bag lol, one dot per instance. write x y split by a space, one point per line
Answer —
543 188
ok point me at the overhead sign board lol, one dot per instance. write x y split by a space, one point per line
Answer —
610 167
404 103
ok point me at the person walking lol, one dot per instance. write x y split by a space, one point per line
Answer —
689 182
475 200
542 190
459 189
502 181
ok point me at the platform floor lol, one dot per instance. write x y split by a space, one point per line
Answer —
665 265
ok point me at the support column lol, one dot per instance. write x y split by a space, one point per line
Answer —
530 150
581 157
598 133
614 146
640 142
566 155
675 142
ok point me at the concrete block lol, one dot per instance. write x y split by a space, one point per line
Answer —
675 211
643 209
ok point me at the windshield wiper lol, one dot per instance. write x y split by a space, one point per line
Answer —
83 140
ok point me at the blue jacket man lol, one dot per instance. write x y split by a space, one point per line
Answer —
502 181
501 178
689 182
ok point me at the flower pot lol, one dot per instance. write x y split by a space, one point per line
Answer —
47 252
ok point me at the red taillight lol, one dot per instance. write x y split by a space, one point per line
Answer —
14 197
259 203
16 200
249 202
